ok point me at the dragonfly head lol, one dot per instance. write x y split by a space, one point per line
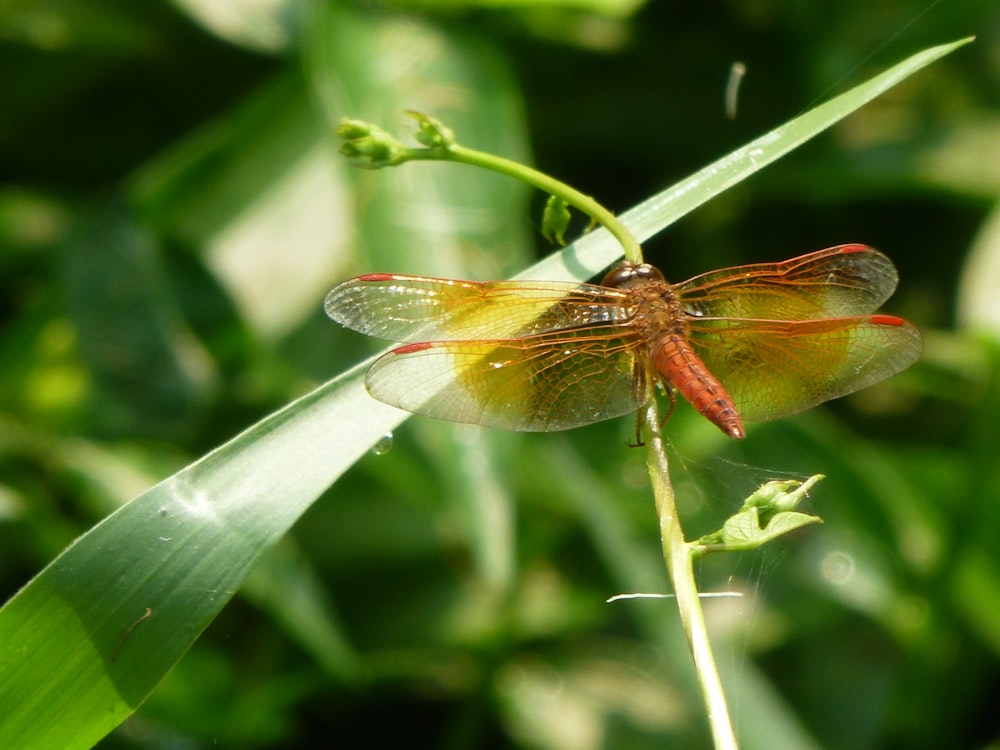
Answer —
628 274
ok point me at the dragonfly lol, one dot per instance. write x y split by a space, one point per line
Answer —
748 343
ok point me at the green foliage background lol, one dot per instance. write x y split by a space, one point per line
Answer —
172 211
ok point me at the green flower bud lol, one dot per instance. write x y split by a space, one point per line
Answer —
369 146
432 133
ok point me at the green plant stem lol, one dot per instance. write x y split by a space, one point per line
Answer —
582 203
679 557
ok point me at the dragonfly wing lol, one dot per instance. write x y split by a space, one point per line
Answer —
773 368
540 383
837 282
417 308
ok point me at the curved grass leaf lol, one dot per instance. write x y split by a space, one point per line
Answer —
594 252
86 641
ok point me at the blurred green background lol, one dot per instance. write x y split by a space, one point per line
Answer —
172 211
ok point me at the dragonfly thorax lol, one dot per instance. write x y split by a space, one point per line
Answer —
658 309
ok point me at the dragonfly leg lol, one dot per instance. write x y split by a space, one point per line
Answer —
638 432
673 402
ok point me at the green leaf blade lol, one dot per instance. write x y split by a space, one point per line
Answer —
75 657
594 252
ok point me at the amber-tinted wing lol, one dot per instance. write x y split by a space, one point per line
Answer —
773 368
833 283
539 383
533 356
417 308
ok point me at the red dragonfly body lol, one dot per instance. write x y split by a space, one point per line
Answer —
753 342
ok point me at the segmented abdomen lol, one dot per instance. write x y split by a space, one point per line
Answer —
677 363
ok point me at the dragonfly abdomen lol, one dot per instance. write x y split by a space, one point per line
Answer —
680 367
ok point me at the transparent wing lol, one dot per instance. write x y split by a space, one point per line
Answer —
540 383
773 368
417 308
837 282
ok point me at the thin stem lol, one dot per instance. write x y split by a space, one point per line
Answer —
679 557
582 203
370 146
